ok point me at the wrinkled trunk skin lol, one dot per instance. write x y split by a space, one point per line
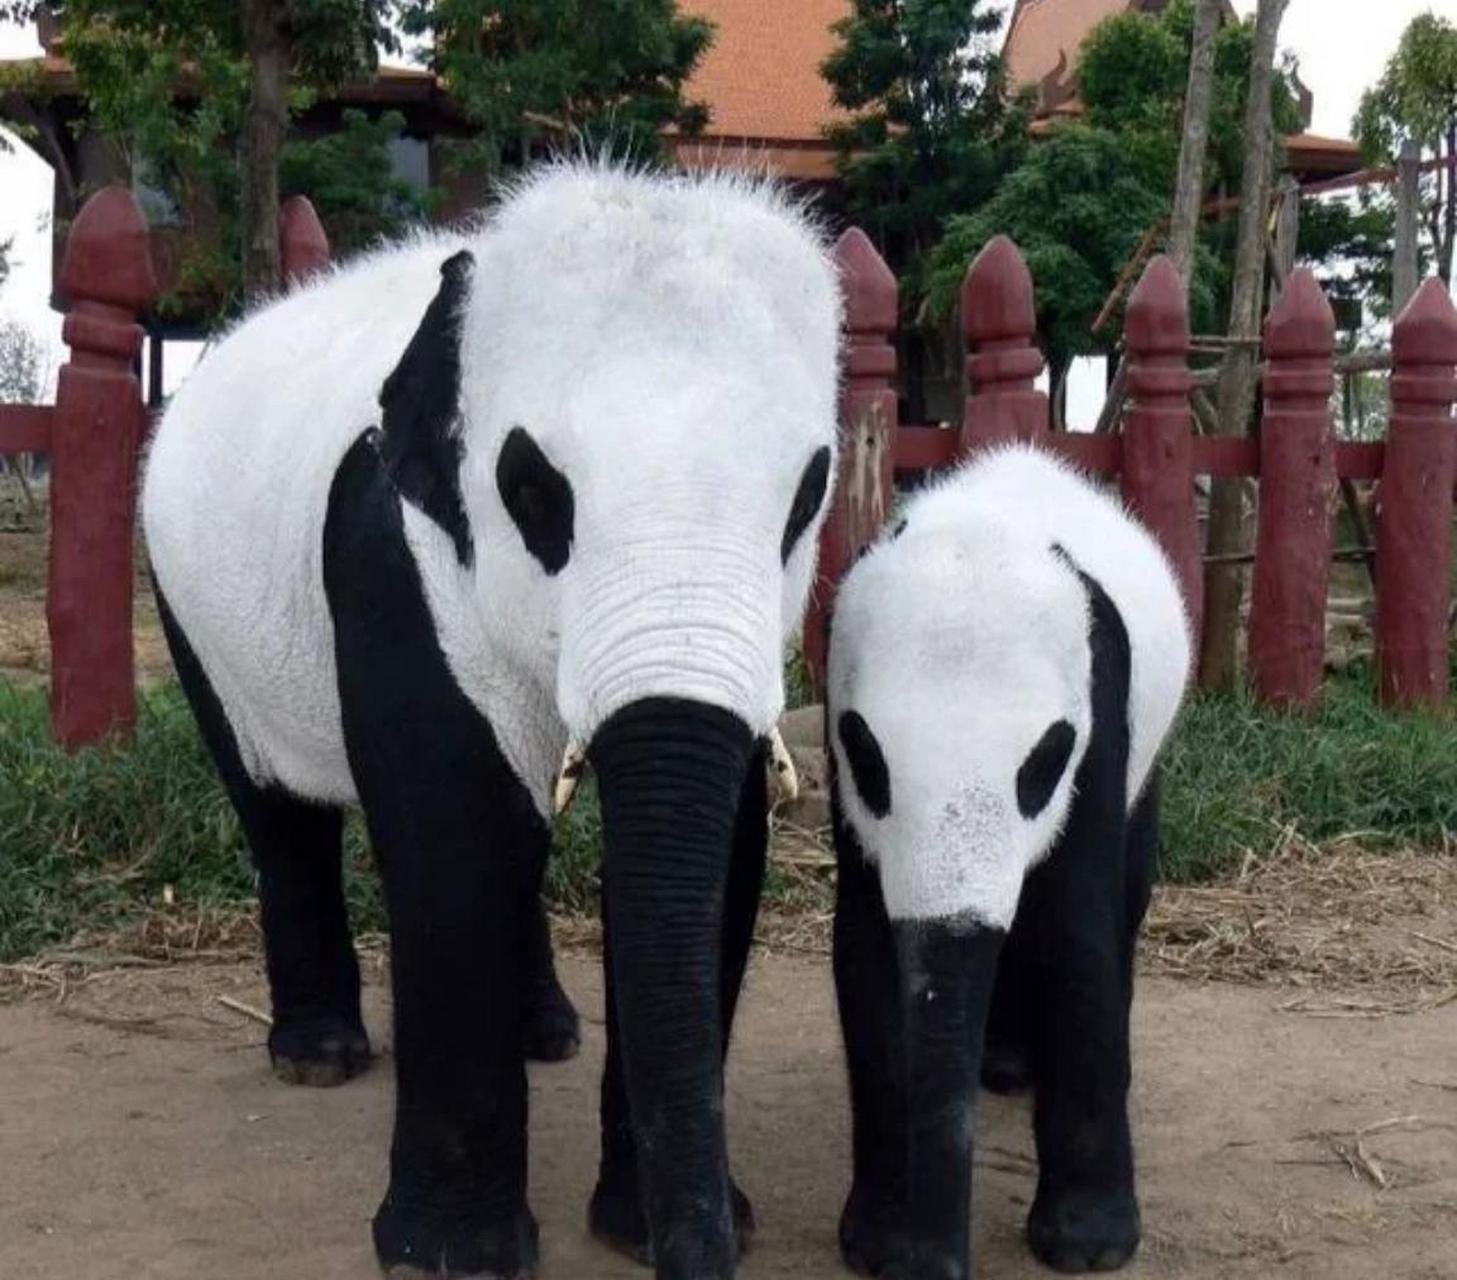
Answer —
670 774
909 1216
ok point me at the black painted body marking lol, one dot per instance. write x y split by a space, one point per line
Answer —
1058 1020
421 403
461 849
867 762
539 499
317 1035
807 499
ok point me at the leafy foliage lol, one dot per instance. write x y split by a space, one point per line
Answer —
1085 196
933 129
1416 100
349 178
529 73
24 366
168 82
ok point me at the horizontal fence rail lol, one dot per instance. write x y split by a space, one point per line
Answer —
1297 461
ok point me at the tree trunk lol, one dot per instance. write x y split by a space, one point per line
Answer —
1189 192
268 58
1404 269
1224 582
1449 227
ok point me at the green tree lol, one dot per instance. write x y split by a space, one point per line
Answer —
533 73
1416 100
179 79
933 128
1078 207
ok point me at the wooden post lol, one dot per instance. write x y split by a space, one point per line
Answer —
1297 492
1158 438
303 245
107 273
868 420
1413 544
1000 318
1404 270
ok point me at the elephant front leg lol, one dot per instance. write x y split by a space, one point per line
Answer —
617 1215
1085 1216
456 1204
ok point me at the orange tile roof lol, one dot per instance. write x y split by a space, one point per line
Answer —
1046 35
761 77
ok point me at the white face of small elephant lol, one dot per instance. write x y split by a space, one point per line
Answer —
959 712
648 400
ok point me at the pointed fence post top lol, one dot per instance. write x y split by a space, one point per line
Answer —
303 244
1301 325
1157 323
997 299
871 292
1426 330
108 256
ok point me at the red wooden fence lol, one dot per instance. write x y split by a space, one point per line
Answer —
93 433
1158 456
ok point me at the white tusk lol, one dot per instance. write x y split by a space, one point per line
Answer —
574 763
783 765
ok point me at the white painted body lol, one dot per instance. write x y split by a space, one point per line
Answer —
961 640
670 343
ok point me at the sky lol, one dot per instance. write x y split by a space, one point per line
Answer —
1342 46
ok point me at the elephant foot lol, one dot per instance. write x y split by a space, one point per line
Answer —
320 1051
1084 1230
616 1218
874 1242
553 1031
410 1245
1006 1068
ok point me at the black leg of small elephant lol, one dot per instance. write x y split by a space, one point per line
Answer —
1085 1216
318 1036
1006 1064
461 848
616 1215
867 986
553 1031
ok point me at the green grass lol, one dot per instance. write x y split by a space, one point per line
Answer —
88 843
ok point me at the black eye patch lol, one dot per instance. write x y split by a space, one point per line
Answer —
1040 773
807 499
867 764
538 498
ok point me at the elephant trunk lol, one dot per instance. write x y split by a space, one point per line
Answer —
670 774
947 973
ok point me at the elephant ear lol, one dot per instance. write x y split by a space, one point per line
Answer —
421 444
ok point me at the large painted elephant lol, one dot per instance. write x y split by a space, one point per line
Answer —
417 530
1004 667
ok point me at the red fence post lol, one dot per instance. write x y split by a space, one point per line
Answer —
868 420
999 316
1414 548
107 274
1297 489
303 244
1158 437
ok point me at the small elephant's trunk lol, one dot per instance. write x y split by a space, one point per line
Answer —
670 774
947 972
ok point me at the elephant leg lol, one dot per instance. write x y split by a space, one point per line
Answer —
553 1032
1085 1216
616 1215
1006 1064
318 1035
867 987
461 848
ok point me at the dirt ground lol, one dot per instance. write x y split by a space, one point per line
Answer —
142 1136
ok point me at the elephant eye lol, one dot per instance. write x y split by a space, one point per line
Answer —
867 763
807 499
1040 773
538 498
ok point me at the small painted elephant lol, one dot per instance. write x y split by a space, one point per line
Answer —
465 509
1004 667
